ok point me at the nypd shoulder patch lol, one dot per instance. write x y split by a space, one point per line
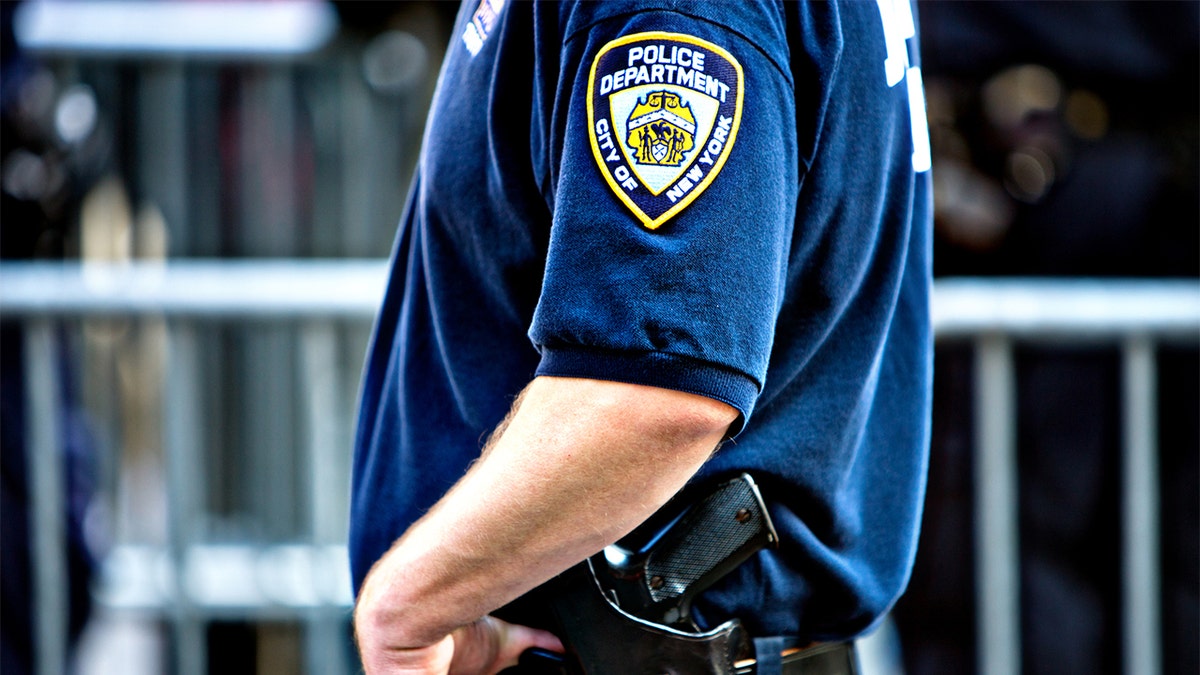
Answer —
664 111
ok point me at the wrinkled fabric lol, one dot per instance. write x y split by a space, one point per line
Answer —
794 287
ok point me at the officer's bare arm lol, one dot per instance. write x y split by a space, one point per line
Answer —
579 464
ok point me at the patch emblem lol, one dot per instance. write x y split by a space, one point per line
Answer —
663 113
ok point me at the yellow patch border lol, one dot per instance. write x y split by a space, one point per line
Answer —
647 221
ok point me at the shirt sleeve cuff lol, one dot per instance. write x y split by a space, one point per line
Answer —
656 369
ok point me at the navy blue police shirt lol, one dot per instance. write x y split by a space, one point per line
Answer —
728 199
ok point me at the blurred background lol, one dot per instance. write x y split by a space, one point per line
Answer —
198 199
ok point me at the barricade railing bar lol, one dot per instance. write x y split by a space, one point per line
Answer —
188 581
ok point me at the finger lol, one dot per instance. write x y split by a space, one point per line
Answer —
519 638
491 645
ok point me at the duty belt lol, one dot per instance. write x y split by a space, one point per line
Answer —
838 658
831 658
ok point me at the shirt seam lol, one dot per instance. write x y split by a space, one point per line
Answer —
784 72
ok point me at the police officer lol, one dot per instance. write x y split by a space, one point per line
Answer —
649 243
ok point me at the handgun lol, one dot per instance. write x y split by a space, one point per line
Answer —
656 571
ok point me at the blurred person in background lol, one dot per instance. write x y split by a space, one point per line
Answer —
45 169
1065 145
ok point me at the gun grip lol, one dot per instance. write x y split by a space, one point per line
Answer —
694 549
713 537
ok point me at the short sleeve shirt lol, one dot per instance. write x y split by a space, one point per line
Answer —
727 199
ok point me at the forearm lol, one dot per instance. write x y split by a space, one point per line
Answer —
579 464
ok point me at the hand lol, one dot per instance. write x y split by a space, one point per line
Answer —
482 648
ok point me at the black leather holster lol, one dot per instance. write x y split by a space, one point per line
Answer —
603 640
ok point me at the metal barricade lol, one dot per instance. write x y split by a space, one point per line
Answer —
188 581
185 580
997 314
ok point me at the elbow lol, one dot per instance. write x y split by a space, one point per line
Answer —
681 419
704 417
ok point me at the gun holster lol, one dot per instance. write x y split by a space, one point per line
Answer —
605 640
